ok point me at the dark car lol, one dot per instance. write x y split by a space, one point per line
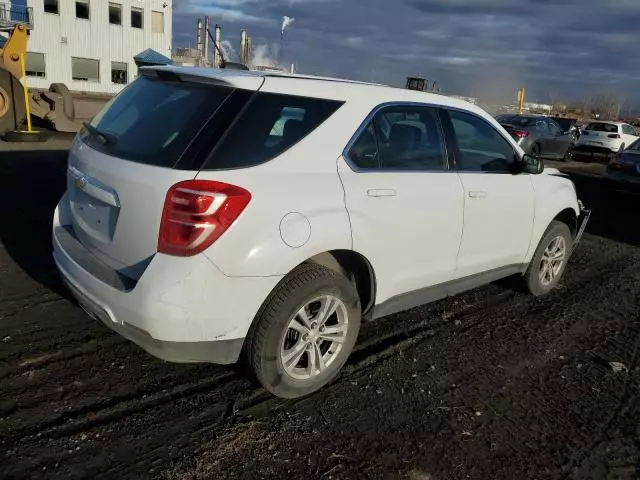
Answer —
568 125
624 167
538 135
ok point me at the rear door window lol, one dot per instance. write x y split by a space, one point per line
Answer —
270 124
628 130
153 121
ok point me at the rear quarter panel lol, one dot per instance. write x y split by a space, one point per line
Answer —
553 194
298 191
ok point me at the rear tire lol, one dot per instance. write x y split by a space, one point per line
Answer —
287 345
12 109
550 259
20 136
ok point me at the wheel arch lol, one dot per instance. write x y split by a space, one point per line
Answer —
356 268
569 217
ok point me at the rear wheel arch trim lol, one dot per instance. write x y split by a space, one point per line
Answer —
357 268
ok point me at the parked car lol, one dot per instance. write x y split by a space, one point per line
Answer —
624 167
200 228
569 126
538 135
604 138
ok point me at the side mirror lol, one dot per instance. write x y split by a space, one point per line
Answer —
531 164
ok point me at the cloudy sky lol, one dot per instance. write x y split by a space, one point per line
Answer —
557 49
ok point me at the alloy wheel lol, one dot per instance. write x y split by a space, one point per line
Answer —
552 260
314 336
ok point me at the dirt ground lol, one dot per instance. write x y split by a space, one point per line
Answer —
493 384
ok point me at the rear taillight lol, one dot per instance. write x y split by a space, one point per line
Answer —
613 135
196 213
520 133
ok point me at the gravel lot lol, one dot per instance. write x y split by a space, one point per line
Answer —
493 384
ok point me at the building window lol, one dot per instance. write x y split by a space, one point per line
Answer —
157 22
136 17
51 6
35 64
82 9
119 73
85 69
115 14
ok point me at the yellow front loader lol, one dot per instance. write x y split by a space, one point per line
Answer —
54 107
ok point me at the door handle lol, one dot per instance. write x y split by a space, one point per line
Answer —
381 192
477 193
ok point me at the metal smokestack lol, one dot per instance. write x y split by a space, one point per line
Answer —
243 47
199 35
216 51
206 40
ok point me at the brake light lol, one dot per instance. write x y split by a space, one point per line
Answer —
613 135
520 133
196 213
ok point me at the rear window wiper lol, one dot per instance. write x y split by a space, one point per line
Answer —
102 137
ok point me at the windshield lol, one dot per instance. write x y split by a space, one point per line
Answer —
603 127
153 121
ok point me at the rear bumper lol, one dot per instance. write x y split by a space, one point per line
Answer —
595 150
180 310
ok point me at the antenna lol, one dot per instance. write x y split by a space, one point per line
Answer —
223 61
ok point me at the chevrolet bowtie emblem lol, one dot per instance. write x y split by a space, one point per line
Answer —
81 182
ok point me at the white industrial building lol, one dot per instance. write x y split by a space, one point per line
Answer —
89 44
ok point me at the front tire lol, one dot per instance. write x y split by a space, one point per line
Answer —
304 332
550 259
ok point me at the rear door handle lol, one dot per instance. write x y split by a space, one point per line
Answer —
477 193
381 192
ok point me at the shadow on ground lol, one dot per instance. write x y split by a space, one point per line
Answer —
31 183
614 210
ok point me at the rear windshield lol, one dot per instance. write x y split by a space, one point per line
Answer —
183 125
153 121
603 127
516 120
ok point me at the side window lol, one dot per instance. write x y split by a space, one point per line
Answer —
481 148
409 138
554 128
270 124
542 128
364 153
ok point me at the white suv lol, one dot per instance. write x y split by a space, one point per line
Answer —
214 216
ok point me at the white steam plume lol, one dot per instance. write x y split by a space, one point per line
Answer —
286 21
265 55
229 52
